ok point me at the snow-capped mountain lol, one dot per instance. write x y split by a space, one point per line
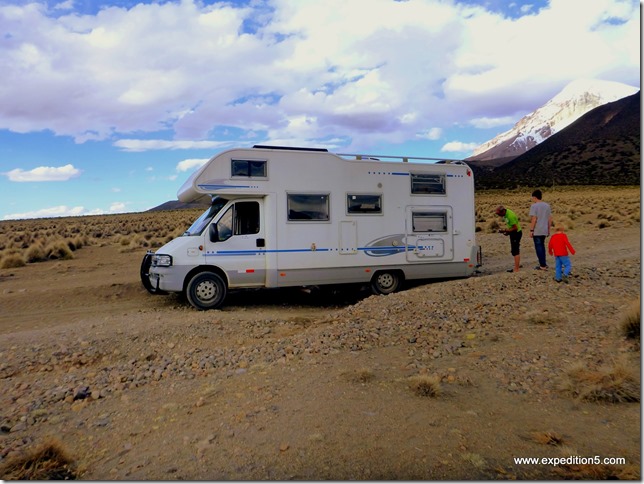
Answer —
575 100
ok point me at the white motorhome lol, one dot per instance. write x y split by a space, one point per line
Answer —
283 217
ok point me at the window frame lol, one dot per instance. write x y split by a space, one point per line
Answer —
365 212
249 172
414 180
427 214
326 195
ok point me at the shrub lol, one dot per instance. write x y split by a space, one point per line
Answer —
59 250
425 385
47 462
630 323
614 384
36 253
12 260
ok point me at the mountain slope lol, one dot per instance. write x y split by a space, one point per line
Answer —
575 100
600 148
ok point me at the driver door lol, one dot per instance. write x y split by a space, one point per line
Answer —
239 245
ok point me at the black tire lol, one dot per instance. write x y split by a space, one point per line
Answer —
386 282
145 273
206 290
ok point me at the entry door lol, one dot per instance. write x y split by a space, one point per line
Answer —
240 245
429 233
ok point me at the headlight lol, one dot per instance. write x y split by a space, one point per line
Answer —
161 260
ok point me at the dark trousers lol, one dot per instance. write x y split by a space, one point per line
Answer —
540 248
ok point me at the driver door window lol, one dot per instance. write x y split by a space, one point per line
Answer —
240 219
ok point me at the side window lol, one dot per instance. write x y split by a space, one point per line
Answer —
307 207
246 218
240 219
429 221
427 184
248 168
364 204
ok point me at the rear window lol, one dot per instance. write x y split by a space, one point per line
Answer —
427 184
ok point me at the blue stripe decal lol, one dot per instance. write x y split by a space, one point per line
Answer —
383 250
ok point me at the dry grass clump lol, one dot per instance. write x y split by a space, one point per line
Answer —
10 261
425 385
47 462
360 375
542 317
614 384
630 322
547 438
58 250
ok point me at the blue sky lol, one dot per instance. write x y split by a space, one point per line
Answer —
108 106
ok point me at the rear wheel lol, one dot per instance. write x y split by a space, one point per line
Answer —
386 282
206 290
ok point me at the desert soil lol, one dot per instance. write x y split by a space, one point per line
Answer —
287 384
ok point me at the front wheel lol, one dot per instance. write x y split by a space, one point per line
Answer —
206 290
386 282
145 272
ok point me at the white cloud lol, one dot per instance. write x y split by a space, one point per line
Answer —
431 134
58 211
159 144
485 122
458 146
44 174
307 70
191 164
117 207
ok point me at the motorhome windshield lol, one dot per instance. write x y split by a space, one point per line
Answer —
204 219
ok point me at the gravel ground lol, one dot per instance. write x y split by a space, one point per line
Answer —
506 339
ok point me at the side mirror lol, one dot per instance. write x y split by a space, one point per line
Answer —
213 233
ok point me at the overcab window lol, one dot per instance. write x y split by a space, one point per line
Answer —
427 184
249 168
307 207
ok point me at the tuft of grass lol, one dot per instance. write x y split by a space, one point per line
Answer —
49 461
361 375
425 385
615 384
59 250
547 438
12 260
630 323
541 317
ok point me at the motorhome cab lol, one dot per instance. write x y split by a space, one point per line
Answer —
284 217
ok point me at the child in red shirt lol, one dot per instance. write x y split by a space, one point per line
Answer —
559 246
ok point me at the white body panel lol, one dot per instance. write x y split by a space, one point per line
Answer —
429 235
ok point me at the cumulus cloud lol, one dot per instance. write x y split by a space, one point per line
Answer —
57 211
44 174
288 69
458 146
191 164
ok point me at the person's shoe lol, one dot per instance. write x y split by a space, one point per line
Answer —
510 270
557 280
565 279
539 268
